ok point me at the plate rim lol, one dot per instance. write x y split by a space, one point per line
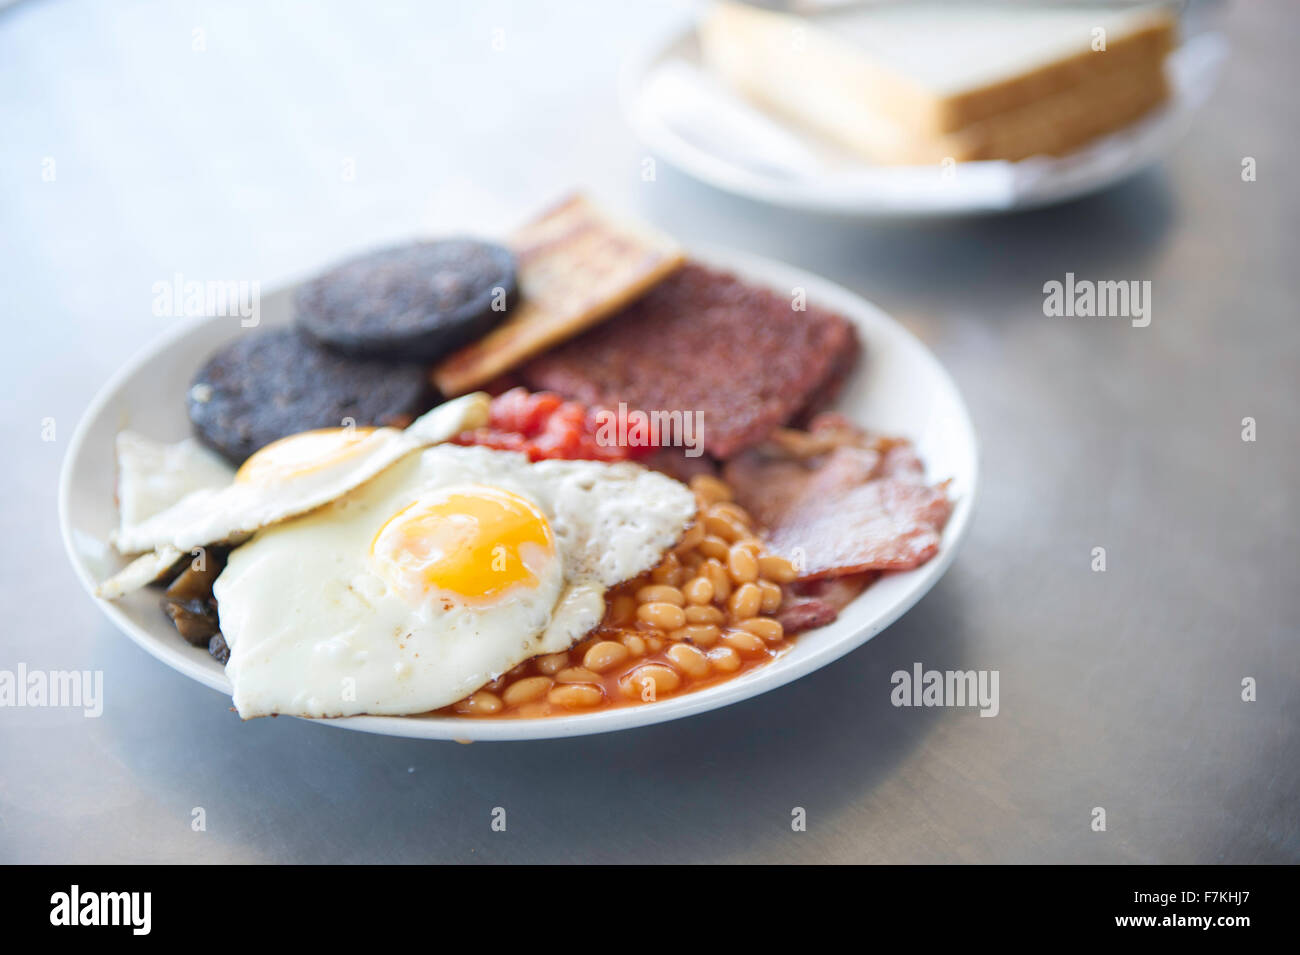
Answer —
761 680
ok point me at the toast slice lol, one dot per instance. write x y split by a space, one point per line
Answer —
905 80
576 266
1053 126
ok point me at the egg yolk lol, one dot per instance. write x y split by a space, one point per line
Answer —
476 542
301 454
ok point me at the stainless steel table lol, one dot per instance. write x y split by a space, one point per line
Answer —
214 141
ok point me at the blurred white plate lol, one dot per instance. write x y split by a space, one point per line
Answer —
900 388
690 119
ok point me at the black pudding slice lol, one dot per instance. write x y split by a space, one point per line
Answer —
415 302
268 384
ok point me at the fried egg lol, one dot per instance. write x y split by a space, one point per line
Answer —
452 567
152 476
284 479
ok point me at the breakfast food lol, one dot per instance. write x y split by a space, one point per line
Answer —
269 384
284 479
778 362
452 567
414 302
920 83
838 501
577 265
189 603
152 476
807 605
543 425
705 613
541 551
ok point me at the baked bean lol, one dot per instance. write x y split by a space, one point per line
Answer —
714 547
669 570
664 616
481 703
707 614
724 659
704 634
604 655
741 565
709 490
729 509
719 525
745 602
661 593
664 678
576 696
526 690
689 660
552 663
776 568
707 607
742 641
577 675
765 627
691 539
698 591
717 575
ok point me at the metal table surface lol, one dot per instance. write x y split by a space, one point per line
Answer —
221 153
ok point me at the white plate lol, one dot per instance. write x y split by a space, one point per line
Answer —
689 119
900 388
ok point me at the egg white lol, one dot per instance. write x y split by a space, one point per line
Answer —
316 630
153 476
231 511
